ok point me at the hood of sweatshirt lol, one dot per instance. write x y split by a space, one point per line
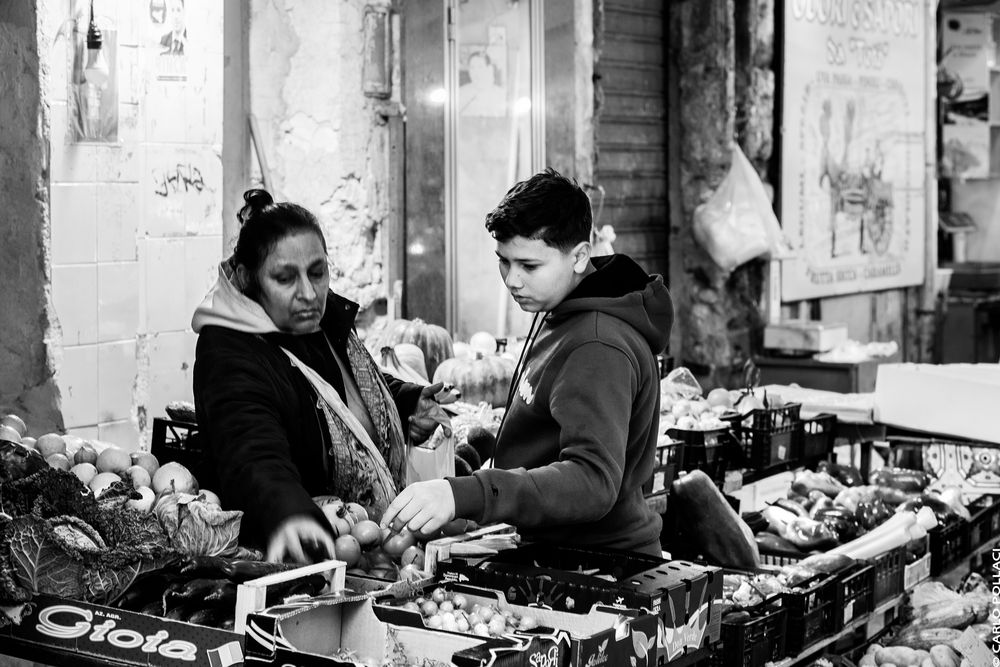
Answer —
225 306
621 288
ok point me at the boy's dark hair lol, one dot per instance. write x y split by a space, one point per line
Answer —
548 206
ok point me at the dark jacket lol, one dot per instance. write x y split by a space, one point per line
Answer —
267 442
580 433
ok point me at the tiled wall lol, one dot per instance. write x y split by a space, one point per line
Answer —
136 230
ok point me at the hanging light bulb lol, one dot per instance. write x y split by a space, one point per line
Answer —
96 72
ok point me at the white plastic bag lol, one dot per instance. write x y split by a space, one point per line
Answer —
737 223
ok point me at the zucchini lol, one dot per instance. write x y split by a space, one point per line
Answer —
716 530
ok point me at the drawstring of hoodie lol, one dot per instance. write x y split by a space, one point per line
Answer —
516 377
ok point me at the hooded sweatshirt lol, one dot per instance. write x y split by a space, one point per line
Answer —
580 433
267 449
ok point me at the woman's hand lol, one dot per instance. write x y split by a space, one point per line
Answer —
303 539
421 507
427 415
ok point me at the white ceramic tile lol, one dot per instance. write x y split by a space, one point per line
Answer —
130 131
165 117
70 162
77 379
74 294
171 363
74 224
118 163
117 222
87 433
122 433
116 379
166 297
162 198
202 255
203 200
118 301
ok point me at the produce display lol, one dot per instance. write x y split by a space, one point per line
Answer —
444 610
939 616
830 511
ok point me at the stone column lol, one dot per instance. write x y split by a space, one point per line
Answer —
27 386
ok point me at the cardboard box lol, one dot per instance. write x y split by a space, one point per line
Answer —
950 399
804 335
122 636
308 634
128 637
483 541
684 595
602 635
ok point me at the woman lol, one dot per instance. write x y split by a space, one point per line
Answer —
289 400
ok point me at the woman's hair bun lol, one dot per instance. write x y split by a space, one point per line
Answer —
255 201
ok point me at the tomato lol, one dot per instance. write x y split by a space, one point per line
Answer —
379 558
347 550
396 544
412 556
357 511
720 397
367 533
340 527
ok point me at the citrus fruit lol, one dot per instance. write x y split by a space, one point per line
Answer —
139 476
15 423
59 462
49 444
113 460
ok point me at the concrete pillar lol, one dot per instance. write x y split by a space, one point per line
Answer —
27 386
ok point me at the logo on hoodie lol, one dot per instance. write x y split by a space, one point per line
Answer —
525 390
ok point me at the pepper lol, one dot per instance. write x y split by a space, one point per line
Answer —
846 475
809 535
841 521
892 496
823 503
904 479
942 510
807 481
872 513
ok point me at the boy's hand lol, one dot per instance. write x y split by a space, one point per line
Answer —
423 507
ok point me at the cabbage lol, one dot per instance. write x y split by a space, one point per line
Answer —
195 527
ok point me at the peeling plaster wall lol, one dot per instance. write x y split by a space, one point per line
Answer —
325 145
27 386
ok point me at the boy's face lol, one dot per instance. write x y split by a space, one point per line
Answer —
540 276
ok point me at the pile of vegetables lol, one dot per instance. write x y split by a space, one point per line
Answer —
742 591
202 589
831 511
939 617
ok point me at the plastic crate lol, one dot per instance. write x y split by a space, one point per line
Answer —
888 575
755 642
669 455
985 514
818 436
855 594
178 442
771 437
709 451
949 543
811 610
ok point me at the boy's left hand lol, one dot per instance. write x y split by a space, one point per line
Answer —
423 507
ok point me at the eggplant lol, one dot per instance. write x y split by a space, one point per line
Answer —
237 571
224 592
154 608
791 506
892 496
823 503
183 611
210 616
145 589
942 510
846 475
772 544
903 479
310 585
199 588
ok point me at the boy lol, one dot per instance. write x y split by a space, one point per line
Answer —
580 431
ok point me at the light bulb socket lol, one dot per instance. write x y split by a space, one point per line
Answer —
94 37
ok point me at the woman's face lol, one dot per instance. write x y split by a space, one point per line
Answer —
293 283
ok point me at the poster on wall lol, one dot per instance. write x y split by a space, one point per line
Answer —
853 132
168 39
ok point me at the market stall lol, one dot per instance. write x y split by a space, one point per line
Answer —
780 548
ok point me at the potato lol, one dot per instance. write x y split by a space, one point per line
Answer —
943 656
901 656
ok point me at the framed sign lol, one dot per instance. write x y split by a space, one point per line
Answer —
852 145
